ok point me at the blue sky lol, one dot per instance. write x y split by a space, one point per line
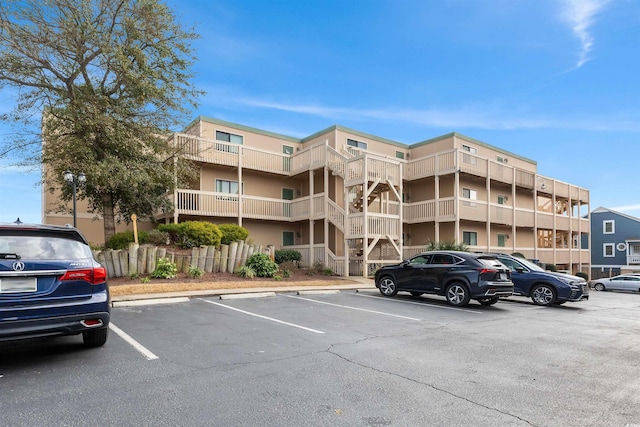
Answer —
552 80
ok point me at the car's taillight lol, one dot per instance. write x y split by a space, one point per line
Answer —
487 270
95 276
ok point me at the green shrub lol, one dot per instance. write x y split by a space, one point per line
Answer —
263 266
157 237
165 269
286 273
277 278
285 255
195 272
246 272
328 272
446 246
193 233
145 279
518 254
289 266
550 267
122 239
585 276
231 233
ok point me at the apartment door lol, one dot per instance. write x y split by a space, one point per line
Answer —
287 194
286 161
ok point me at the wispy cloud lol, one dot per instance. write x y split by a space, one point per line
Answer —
627 208
581 14
469 117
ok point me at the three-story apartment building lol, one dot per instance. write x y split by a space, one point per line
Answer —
355 201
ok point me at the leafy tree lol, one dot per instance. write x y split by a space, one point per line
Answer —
108 79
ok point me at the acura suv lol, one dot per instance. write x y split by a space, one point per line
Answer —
543 287
458 276
51 285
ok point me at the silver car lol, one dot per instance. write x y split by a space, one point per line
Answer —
623 282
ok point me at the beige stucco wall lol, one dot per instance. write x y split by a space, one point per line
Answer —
492 154
431 148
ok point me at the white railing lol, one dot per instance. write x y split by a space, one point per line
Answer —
336 215
336 162
265 208
633 259
196 202
473 210
318 205
335 263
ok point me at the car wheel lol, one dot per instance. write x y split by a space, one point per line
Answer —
489 301
95 337
543 295
416 294
457 295
599 287
388 287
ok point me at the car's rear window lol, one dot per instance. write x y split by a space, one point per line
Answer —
490 262
42 248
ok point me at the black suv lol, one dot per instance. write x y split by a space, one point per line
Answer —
543 287
458 276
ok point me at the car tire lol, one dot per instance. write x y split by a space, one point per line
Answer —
543 295
417 294
457 294
599 287
95 337
388 286
489 301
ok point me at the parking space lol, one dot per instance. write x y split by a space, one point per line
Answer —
348 358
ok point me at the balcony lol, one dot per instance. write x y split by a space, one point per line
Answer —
209 203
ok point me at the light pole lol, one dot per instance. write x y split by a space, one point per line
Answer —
74 180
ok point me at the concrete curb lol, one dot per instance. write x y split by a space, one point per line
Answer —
361 284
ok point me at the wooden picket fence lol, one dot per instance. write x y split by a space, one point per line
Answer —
143 259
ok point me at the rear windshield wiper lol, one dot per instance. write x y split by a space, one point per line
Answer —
9 256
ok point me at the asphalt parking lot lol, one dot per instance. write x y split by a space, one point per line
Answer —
341 359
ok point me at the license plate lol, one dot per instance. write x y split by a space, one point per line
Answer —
18 284
503 276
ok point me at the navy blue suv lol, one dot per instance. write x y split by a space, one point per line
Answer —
543 287
51 285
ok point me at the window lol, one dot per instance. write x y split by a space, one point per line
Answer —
608 227
287 238
229 187
469 194
470 238
444 259
400 155
468 149
607 250
502 200
501 159
357 144
228 137
502 240
420 259
469 158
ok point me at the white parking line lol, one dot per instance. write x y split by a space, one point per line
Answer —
418 303
135 344
355 308
263 317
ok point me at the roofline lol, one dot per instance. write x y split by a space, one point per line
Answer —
603 209
243 127
474 141
359 133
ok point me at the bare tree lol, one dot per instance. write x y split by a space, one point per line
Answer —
110 79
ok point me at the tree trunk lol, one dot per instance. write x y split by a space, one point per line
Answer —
109 219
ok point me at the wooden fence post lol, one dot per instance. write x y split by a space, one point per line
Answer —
133 259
